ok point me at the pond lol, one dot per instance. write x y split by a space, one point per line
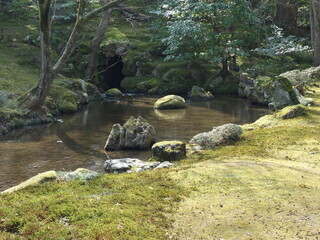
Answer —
77 140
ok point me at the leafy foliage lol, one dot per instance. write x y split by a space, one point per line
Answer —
207 30
278 44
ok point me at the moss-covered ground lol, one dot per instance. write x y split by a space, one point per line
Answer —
264 187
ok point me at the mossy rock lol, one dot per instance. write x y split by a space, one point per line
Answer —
176 81
169 151
114 92
198 93
145 86
64 99
161 69
262 80
93 92
228 85
170 102
291 112
287 86
40 178
139 84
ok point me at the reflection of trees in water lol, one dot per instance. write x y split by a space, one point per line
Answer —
29 133
242 110
77 147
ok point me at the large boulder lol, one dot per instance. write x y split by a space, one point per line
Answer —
274 92
302 77
170 102
198 93
136 133
222 135
169 151
227 85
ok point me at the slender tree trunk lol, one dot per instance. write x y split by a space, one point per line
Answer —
315 31
95 44
37 95
225 69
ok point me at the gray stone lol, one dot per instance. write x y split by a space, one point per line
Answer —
165 164
222 135
116 138
169 150
302 77
136 133
116 165
128 165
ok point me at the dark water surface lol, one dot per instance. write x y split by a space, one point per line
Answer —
78 140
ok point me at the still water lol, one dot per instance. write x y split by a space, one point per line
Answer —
78 140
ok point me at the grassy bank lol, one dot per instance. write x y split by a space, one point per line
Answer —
264 187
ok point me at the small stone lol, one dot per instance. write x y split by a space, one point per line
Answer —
169 150
112 166
165 164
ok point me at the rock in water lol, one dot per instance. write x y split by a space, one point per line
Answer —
116 138
169 151
170 102
199 93
114 92
136 133
225 134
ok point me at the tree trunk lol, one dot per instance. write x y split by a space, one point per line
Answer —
95 43
225 69
36 96
287 15
315 31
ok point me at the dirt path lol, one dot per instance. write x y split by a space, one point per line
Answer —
265 187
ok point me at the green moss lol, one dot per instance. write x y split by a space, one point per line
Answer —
263 80
40 178
287 85
291 112
230 84
130 84
170 102
64 99
114 92
126 206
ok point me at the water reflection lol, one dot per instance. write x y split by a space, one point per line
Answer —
79 139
